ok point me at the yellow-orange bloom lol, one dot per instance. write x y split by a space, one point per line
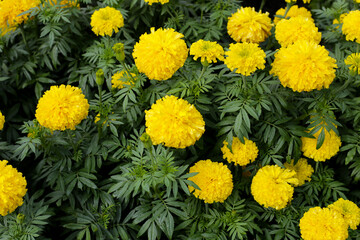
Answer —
150 2
207 51
350 27
303 170
349 210
294 11
2 121
106 20
247 25
241 154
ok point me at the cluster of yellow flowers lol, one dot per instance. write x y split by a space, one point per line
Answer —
241 154
245 58
106 20
66 3
10 11
12 188
214 179
272 186
62 107
294 11
331 222
119 79
329 148
207 51
350 26
2 120
174 122
160 54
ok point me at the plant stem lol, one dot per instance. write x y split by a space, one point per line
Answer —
288 6
127 70
262 4
244 82
24 38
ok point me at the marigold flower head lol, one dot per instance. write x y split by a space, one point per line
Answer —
304 66
350 27
305 1
207 51
349 210
214 179
245 58
150 2
328 149
10 11
2 120
160 54
106 20
66 3
353 60
174 122
247 25
288 31
119 79
12 188
294 11
241 154
323 224
303 170
272 186
62 107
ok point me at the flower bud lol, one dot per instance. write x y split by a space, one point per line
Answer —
119 51
100 77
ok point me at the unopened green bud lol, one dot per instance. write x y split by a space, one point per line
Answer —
205 63
20 218
145 138
119 51
100 77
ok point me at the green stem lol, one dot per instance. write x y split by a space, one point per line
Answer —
202 73
357 47
288 6
127 70
262 4
244 82
24 38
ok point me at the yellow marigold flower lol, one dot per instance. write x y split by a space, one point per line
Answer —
174 122
12 188
207 51
62 107
106 20
323 224
214 179
241 154
160 54
294 11
349 210
119 79
350 27
65 3
247 25
272 186
354 61
2 121
245 58
288 31
150 2
10 11
303 170
304 66
330 147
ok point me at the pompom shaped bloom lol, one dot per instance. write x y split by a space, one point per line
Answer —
328 149
323 224
160 54
353 60
247 25
119 79
12 188
272 186
304 66
174 122
62 107
288 31
106 20
245 58
214 179
349 210
294 11
241 154
207 51
350 27
150 2
10 11
303 170
2 121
